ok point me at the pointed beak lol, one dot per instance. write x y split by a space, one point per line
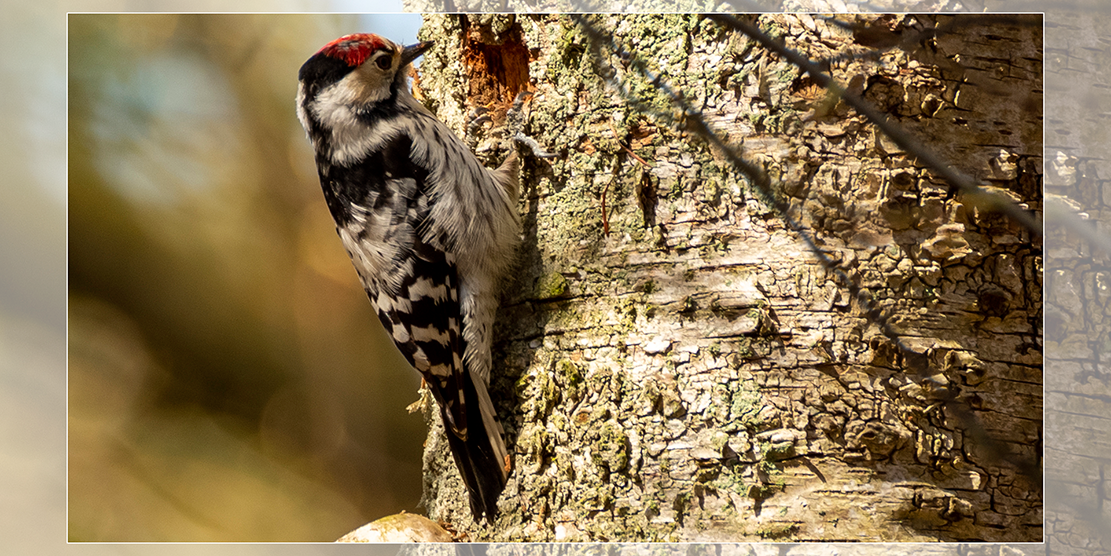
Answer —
413 51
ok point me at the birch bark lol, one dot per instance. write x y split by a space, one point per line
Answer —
675 363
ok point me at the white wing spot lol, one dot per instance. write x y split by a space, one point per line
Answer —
420 361
425 287
429 334
400 334
440 370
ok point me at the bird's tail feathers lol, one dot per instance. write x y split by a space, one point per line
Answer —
480 454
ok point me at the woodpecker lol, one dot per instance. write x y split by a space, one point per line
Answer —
430 231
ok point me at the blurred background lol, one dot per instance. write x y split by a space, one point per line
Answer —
227 380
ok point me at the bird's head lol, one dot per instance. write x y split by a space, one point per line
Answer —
354 74
367 66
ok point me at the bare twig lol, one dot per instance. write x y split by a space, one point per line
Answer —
626 147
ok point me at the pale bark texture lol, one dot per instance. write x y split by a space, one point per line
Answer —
1078 308
675 363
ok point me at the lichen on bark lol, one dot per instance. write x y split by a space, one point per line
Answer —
696 373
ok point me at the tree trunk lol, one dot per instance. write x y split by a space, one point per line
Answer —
675 363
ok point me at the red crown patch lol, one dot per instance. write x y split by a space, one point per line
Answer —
354 49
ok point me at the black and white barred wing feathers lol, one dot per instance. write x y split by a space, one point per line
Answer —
412 279
429 230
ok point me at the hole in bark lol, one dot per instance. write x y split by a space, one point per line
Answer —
994 301
495 72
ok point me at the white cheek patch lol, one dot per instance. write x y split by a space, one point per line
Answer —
336 108
369 83
332 107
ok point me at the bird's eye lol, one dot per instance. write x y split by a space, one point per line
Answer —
384 62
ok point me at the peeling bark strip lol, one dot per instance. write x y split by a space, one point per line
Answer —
695 374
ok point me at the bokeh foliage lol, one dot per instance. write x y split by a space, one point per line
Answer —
228 380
